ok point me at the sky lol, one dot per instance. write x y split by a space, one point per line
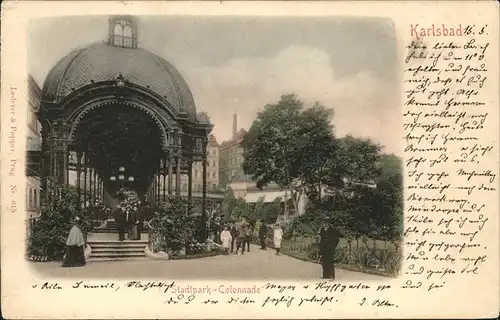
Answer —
240 64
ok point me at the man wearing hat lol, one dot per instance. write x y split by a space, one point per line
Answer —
329 239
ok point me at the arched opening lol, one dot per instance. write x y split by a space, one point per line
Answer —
122 142
118 35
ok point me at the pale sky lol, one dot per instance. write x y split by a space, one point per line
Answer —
239 64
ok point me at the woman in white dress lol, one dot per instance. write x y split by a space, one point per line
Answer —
278 236
226 239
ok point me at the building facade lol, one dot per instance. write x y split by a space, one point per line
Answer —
33 147
231 157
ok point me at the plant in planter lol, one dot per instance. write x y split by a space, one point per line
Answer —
174 224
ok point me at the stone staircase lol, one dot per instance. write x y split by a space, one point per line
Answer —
106 246
117 250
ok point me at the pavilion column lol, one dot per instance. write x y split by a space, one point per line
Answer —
59 151
78 177
158 187
44 163
85 172
66 163
178 176
170 175
95 185
164 177
204 200
190 181
91 181
151 191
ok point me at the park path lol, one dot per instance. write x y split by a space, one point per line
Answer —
256 264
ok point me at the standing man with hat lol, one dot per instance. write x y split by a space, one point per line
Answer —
329 239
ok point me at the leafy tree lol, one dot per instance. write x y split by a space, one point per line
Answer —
389 204
290 146
355 163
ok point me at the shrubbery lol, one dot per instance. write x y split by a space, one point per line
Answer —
50 231
174 224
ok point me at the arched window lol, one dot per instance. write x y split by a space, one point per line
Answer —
127 37
118 35
123 32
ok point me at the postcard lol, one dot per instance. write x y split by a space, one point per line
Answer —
300 160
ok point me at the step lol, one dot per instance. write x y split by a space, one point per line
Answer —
97 245
117 254
111 259
110 249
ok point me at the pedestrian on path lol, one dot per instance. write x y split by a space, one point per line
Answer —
248 236
263 235
226 239
234 235
329 239
277 237
75 252
240 239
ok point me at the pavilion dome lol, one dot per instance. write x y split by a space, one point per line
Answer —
104 62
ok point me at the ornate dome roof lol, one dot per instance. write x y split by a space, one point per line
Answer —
102 62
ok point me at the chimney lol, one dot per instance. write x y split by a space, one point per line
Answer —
235 125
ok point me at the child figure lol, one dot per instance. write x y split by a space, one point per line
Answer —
278 236
226 238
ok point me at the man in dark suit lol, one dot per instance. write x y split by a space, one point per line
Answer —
263 235
121 222
329 239
234 235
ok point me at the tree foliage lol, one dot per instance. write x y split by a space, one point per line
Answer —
290 146
295 147
50 231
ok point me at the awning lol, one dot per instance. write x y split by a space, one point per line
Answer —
268 196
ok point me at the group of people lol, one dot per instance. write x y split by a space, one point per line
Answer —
127 221
239 235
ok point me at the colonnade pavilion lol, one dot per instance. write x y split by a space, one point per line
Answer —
113 114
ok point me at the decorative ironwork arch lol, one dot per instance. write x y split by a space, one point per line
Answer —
75 117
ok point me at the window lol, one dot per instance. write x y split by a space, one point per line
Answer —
30 199
123 34
196 174
37 202
127 36
118 35
213 163
214 174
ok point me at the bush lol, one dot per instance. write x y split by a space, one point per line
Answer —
49 233
174 223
